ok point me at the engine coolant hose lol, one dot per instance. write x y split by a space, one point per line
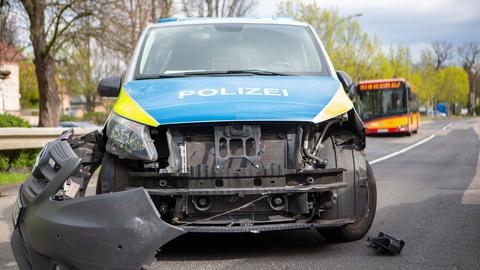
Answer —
318 161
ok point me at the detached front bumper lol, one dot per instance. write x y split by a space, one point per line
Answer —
121 230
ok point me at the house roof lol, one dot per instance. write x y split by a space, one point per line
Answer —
10 54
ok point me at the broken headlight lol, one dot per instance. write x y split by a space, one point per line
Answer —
129 139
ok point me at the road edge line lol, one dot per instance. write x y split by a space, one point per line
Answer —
403 150
471 195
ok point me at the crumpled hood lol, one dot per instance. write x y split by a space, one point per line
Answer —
233 98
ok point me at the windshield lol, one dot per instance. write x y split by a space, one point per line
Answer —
385 102
199 49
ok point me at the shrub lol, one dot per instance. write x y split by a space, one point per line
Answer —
67 117
8 120
16 159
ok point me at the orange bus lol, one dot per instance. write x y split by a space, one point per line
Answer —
388 106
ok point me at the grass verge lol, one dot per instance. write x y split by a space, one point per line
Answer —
7 178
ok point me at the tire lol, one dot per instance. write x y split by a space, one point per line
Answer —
360 227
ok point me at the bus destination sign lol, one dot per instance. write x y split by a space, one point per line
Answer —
379 85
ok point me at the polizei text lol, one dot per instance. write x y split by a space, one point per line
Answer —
247 91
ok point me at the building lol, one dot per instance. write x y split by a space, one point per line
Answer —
9 79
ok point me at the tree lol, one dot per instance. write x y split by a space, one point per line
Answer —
452 85
28 85
454 89
64 18
360 55
120 22
161 9
470 55
217 8
349 47
443 51
77 75
400 62
7 31
447 84
424 77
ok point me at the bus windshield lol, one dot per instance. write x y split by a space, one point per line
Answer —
385 102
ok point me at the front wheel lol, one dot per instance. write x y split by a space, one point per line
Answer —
363 223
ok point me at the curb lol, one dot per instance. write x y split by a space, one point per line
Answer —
11 189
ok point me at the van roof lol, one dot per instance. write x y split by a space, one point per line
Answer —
201 20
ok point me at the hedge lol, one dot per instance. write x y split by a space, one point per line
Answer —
16 160
8 120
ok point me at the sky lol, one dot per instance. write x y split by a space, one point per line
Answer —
415 23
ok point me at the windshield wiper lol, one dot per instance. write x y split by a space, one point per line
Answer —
236 72
251 72
257 72
162 76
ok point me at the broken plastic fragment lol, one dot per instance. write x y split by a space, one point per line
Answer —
386 244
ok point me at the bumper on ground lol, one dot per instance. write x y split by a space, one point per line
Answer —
107 231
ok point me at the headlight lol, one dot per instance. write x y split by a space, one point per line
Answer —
129 139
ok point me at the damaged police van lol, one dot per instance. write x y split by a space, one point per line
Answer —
220 126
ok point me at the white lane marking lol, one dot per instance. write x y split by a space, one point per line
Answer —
403 150
472 193
447 126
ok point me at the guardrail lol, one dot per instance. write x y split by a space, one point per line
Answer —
26 138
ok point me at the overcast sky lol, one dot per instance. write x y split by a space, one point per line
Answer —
410 22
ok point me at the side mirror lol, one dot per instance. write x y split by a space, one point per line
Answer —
110 87
346 81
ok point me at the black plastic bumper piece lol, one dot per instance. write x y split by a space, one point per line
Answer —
386 244
109 231
121 230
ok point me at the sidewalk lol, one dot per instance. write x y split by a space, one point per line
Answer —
8 195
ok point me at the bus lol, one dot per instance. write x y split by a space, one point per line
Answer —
388 106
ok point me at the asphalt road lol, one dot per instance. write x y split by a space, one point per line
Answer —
429 196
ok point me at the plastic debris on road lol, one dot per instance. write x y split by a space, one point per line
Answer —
386 244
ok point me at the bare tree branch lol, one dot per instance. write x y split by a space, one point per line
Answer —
217 8
470 55
443 52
